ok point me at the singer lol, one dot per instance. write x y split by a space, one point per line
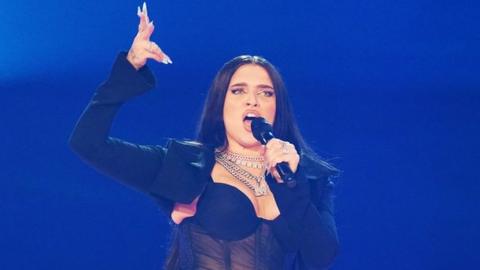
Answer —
229 206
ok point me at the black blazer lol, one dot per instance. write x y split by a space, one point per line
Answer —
179 171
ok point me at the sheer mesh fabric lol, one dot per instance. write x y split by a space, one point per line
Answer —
200 251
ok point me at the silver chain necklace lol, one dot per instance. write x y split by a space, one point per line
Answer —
256 162
255 183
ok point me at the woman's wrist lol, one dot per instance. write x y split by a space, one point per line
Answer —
131 57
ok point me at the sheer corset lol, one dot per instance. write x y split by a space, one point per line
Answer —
200 251
225 233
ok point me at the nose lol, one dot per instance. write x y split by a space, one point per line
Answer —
252 100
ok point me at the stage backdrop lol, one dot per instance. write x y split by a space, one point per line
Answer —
389 91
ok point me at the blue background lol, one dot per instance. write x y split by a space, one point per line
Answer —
388 90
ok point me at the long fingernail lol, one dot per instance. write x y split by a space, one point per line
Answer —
138 12
145 7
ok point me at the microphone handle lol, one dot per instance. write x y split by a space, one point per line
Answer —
283 169
286 174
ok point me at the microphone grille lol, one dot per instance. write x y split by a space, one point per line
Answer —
260 127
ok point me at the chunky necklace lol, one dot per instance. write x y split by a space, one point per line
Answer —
256 162
255 183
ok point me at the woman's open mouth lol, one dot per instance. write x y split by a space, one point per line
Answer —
247 121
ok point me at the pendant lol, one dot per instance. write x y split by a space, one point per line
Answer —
260 190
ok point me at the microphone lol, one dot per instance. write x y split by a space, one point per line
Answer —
263 132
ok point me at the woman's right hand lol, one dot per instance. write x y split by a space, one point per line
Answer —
142 48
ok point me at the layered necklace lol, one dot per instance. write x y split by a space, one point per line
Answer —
232 162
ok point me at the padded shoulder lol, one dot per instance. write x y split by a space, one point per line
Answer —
185 171
316 169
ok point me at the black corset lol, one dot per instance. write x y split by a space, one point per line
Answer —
225 233
200 251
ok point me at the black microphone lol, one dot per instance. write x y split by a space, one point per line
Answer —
263 132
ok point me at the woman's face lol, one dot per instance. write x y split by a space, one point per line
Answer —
251 93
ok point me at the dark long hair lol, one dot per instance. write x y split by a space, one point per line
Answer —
211 128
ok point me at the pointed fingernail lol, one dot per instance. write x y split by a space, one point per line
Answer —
138 11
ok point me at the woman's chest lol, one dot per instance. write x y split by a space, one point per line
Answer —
264 206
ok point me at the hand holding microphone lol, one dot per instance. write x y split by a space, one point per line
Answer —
281 156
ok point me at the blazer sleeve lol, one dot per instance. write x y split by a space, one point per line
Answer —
306 225
132 164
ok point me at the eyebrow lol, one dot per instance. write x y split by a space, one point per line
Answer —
258 86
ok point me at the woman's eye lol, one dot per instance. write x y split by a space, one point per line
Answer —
268 93
236 91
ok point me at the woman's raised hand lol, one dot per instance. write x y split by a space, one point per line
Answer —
142 48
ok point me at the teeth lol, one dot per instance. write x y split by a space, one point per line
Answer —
250 116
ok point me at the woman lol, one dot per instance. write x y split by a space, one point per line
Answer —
223 192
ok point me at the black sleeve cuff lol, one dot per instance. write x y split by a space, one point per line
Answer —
124 82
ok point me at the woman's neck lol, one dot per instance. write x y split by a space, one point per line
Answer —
254 150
